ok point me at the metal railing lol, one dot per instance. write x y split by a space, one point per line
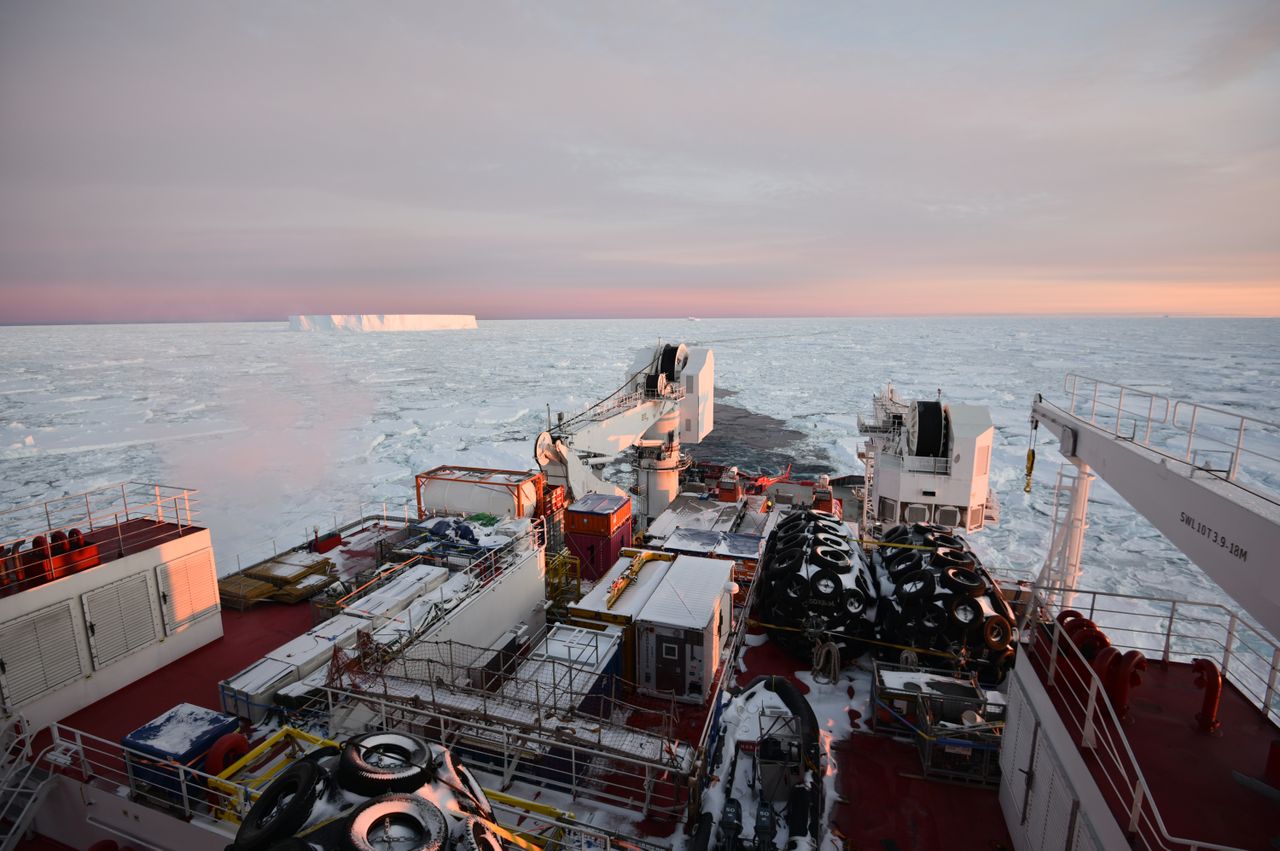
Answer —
363 513
562 831
1174 630
1086 710
97 509
917 463
584 768
75 533
1233 447
439 674
162 784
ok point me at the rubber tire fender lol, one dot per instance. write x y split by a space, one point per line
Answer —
835 542
943 540
794 588
793 541
792 522
1001 663
357 774
366 818
815 514
787 562
963 581
900 567
838 561
965 613
225 752
825 585
917 585
323 753
897 534
471 786
825 527
953 558
934 619
267 821
855 602
476 836
997 632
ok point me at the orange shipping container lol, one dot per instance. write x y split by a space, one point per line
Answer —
597 514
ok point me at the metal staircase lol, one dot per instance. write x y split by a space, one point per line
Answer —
23 783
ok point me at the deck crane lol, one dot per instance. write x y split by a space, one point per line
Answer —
1186 468
667 400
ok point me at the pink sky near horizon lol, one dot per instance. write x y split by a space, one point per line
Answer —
182 162
47 304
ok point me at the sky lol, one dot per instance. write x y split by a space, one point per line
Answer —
250 160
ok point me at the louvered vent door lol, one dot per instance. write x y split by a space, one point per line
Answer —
188 590
120 619
38 653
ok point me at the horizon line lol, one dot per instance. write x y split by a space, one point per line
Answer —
478 318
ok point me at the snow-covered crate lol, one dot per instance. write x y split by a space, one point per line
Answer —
680 632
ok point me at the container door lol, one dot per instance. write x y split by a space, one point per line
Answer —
188 590
38 653
670 665
119 618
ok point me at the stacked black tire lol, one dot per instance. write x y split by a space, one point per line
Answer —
378 779
922 590
816 586
937 596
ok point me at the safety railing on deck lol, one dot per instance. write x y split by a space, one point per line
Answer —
551 830
1086 710
388 513
1233 447
917 463
1175 630
46 540
163 784
572 753
96 509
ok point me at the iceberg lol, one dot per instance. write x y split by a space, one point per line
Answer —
382 322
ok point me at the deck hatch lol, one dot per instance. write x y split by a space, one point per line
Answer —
38 653
188 590
119 618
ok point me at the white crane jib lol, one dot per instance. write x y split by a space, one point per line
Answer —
1185 467
668 399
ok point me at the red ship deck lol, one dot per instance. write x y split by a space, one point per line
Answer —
246 637
1191 775
884 801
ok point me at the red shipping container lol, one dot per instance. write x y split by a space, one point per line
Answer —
598 514
597 554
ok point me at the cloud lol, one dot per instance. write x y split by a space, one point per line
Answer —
261 159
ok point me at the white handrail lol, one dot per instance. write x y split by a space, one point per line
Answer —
1177 429
1136 796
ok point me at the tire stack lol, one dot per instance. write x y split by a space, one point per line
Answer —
922 589
385 787
816 586
941 598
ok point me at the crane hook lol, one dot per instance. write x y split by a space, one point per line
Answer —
1031 456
